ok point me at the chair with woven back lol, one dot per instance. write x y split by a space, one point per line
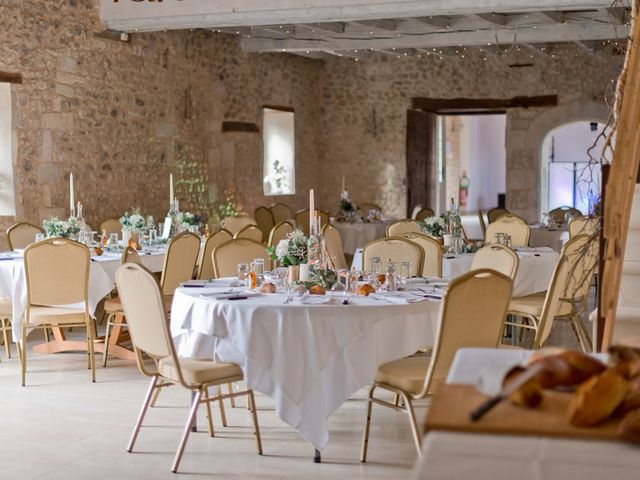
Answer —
483 223
251 232
264 219
49 298
22 234
281 213
403 226
424 213
559 214
111 226
517 227
335 249
228 255
235 224
205 263
142 300
583 226
279 232
179 263
392 250
496 213
302 219
471 315
497 257
567 295
432 264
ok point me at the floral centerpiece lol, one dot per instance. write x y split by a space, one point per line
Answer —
133 221
453 223
55 227
191 219
291 250
434 226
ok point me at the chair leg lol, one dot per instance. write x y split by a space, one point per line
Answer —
155 397
414 423
209 415
5 338
581 333
23 356
396 400
143 411
232 399
106 341
367 424
223 416
187 430
251 400
92 352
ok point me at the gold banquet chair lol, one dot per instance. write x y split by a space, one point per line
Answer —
424 213
302 219
179 263
228 255
265 221
142 300
394 249
558 214
279 232
403 226
281 212
45 263
235 224
251 232
471 315
566 298
432 264
497 257
514 225
22 234
495 213
111 226
583 226
334 246
205 263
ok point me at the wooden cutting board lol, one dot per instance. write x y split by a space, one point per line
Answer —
451 405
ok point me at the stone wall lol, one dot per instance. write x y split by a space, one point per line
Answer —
121 116
364 112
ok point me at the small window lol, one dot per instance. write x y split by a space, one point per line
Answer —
7 198
278 137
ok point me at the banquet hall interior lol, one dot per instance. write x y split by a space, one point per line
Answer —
387 239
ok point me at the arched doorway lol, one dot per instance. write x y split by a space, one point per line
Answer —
566 176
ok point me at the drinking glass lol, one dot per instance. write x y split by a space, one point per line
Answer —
113 242
39 237
153 236
282 273
404 273
352 282
92 237
243 269
257 268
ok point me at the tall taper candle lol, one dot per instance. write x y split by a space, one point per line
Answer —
312 207
170 188
71 196
344 183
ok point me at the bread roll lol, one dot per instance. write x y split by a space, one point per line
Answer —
597 398
528 395
626 360
629 427
567 369
366 289
268 287
317 290
632 400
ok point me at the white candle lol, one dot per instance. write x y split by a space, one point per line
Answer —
343 182
171 197
304 272
71 195
312 206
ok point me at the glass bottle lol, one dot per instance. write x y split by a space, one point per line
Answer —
316 246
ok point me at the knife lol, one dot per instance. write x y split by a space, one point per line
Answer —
507 390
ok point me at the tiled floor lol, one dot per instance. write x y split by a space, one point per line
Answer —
61 426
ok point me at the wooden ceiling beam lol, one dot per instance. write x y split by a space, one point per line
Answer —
10 77
439 105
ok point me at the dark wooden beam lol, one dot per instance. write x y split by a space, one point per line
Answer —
240 127
10 77
278 107
445 105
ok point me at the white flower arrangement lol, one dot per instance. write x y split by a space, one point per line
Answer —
55 227
434 226
134 221
291 250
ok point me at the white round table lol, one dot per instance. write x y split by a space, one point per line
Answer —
355 235
308 358
544 237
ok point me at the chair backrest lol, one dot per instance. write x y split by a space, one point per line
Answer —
424 213
496 213
497 257
403 226
483 224
335 249
57 272
229 254
130 255
558 214
365 207
264 218
415 211
180 261
570 282
143 306
205 262
394 249
583 226
250 231
280 231
235 224
472 314
514 225
432 264
22 234
111 226
302 219
281 212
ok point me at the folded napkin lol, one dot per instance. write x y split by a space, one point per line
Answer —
197 283
230 295
533 249
489 381
397 298
308 299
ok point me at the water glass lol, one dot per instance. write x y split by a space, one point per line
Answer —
113 242
404 273
352 282
243 270
257 269
153 236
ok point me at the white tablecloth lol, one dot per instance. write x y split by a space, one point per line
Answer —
541 237
308 358
101 281
355 235
534 272
461 456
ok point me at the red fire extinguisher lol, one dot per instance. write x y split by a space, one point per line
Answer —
463 190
